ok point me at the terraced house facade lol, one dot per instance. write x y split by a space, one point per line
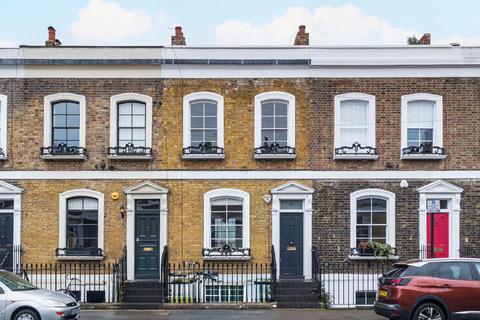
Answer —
221 153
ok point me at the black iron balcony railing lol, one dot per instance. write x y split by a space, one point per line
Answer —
356 149
226 250
203 148
79 252
129 150
274 148
426 148
63 150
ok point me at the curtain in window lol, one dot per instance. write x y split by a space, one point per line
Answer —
353 122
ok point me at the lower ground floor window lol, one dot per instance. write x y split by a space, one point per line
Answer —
365 298
224 293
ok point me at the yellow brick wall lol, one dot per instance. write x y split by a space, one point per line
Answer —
185 216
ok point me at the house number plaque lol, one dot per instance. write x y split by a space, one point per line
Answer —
291 247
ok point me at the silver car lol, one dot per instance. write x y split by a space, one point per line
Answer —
20 300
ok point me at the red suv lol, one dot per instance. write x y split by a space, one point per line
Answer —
432 289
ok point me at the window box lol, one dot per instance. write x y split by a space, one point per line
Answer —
367 253
426 151
226 252
204 151
62 151
130 151
355 152
274 151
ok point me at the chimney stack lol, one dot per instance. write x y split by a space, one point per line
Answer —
425 39
52 40
178 39
302 38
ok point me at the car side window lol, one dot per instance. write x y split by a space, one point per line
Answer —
1 290
477 268
454 271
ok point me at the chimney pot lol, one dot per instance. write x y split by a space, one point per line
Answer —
51 33
52 40
302 38
178 39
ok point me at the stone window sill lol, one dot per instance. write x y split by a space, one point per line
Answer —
227 258
423 157
355 157
63 157
129 157
277 156
203 157
79 258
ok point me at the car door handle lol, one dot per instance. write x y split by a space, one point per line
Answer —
445 286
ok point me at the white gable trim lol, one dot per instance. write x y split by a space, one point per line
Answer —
292 187
440 186
146 187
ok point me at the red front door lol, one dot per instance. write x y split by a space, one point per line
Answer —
440 234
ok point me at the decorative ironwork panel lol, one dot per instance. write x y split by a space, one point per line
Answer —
274 148
356 149
203 148
130 150
225 250
88 252
424 148
62 149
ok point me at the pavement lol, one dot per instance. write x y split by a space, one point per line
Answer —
230 315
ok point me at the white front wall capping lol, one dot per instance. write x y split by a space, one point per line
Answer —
48 102
125 97
189 98
444 191
374 193
3 125
293 191
437 120
145 190
226 192
370 99
274 95
62 214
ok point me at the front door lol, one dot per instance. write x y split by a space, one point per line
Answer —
6 241
438 222
147 238
291 244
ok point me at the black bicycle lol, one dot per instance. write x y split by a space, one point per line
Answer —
68 290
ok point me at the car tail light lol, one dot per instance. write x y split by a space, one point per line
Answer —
400 281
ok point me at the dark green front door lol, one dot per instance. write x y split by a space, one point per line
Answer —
6 241
147 239
291 244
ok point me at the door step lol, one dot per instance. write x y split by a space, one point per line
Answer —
143 294
297 294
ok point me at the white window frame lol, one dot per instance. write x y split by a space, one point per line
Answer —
4 124
371 142
125 97
437 124
207 214
390 228
48 102
274 95
187 100
62 220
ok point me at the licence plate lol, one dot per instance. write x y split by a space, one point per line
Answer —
383 293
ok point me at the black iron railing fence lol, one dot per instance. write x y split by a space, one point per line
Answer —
10 257
466 251
219 282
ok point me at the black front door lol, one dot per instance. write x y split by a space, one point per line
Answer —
291 244
147 239
6 241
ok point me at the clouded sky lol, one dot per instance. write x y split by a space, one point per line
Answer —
230 22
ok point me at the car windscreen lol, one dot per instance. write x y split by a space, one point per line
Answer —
14 282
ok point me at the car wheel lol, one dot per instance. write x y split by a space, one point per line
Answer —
429 311
27 315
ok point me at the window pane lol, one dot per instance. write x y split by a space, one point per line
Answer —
124 121
138 121
197 122
218 218
349 136
90 204
211 135
454 271
59 134
138 134
280 122
210 122
6 204
125 108
280 109
147 204
378 232
197 109
364 204
291 204
125 134
379 204
60 108
426 134
210 109
363 218
235 218
363 232
73 120
138 108
379 218
413 134
73 134
75 204
234 204
59 120
280 135
267 135
267 109
420 114
267 122
197 135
